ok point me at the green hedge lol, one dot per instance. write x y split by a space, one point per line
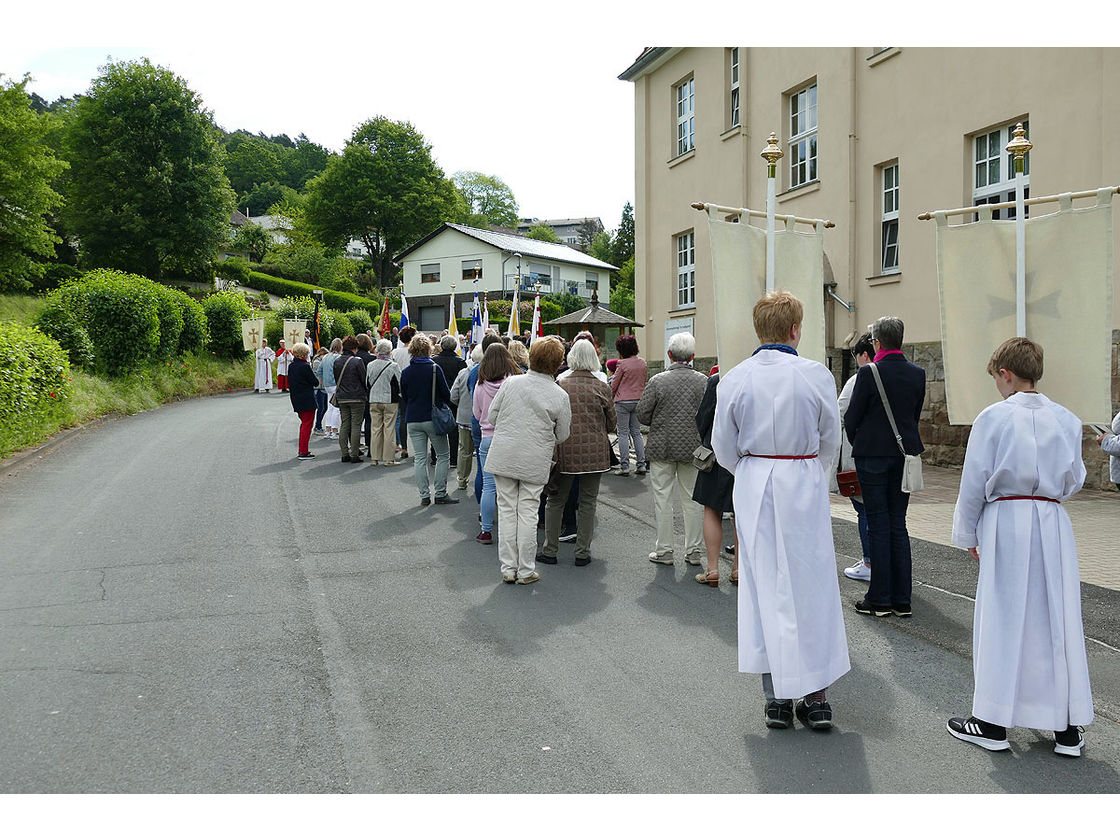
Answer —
233 268
360 320
57 320
34 381
341 301
196 332
224 313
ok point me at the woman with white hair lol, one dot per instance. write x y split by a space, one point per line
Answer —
668 406
302 383
383 378
584 456
332 420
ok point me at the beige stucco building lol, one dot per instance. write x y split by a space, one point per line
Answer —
872 136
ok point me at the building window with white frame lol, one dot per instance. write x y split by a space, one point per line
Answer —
993 169
890 220
591 280
686 269
686 117
803 136
733 58
429 273
472 270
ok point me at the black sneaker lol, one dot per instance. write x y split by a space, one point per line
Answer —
346 459
544 558
901 610
867 609
1069 742
305 455
816 715
779 714
582 561
979 732
425 502
446 500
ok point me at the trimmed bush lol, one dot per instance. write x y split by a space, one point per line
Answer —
57 320
360 320
122 317
170 320
233 268
196 333
224 314
289 288
274 328
339 327
34 379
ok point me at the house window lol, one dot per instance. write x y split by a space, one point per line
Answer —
429 273
890 220
539 273
993 169
686 269
686 116
472 270
733 56
591 279
803 136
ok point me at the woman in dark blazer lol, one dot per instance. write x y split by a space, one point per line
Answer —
714 490
879 463
302 383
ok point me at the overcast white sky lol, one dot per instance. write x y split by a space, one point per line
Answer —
527 91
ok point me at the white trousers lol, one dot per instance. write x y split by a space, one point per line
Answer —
663 474
518 506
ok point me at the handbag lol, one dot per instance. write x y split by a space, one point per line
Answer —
334 396
443 421
703 458
912 464
848 483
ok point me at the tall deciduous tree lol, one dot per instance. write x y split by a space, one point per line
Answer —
622 243
384 189
489 200
251 161
147 191
542 233
586 233
27 166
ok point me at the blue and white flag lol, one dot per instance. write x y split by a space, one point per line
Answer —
404 311
476 320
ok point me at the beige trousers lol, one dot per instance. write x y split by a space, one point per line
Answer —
383 431
663 474
518 505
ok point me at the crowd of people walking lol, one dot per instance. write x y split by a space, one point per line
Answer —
764 442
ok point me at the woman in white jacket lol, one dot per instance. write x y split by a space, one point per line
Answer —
1110 444
530 415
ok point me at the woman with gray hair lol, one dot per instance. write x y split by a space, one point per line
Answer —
584 456
332 419
384 380
450 362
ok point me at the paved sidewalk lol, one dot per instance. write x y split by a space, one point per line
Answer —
1095 515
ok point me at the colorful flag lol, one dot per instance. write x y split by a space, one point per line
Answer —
485 315
404 311
476 321
452 329
383 327
514 322
537 330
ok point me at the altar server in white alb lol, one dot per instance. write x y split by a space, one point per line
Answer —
1028 644
777 429
283 359
263 382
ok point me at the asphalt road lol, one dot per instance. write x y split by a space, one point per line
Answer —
186 608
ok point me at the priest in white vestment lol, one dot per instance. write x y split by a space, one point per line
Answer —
265 355
777 429
283 359
1023 460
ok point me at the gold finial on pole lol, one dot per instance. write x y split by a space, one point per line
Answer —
772 153
1019 146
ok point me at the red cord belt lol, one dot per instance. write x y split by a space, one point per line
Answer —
782 457
1028 498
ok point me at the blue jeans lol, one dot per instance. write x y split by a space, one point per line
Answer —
880 479
488 504
476 436
629 432
402 435
320 408
861 519
419 435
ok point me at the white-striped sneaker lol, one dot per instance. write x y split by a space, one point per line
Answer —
979 732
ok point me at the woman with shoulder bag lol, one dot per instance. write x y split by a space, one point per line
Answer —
384 380
422 389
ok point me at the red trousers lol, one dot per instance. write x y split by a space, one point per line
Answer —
306 418
282 382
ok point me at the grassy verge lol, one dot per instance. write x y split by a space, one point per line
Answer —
20 308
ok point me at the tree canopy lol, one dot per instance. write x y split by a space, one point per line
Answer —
147 192
27 167
384 189
622 243
542 233
489 200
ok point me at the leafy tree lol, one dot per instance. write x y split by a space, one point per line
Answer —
27 166
489 200
542 233
601 247
253 239
251 161
567 303
623 241
622 300
586 233
147 191
262 196
384 189
303 162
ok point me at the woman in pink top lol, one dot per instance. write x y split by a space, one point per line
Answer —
627 385
496 367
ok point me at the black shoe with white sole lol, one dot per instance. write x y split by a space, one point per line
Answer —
868 609
979 732
779 714
816 715
1069 742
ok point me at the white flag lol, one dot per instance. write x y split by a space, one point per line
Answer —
252 331
1069 306
293 332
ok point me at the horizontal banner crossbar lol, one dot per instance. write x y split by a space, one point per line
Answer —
761 214
1042 199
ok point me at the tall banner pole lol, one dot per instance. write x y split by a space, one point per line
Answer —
772 154
1019 147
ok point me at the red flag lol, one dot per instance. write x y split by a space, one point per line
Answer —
383 327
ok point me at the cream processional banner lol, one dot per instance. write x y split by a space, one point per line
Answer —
1069 306
293 332
739 280
252 331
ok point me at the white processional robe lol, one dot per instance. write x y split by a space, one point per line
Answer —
263 380
1028 643
790 621
283 358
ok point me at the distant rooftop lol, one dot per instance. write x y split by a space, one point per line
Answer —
515 244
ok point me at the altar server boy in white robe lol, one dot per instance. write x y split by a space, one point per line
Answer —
777 429
1028 643
264 355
